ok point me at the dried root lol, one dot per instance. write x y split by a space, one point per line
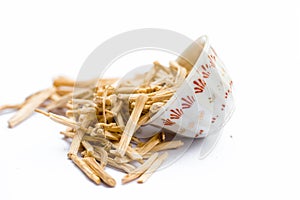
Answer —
102 118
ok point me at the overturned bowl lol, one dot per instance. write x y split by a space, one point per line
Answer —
203 103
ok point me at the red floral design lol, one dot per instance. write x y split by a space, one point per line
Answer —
168 122
200 85
212 60
176 114
205 67
205 71
188 102
200 132
223 107
206 74
227 93
213 120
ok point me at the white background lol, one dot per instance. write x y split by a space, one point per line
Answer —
259 41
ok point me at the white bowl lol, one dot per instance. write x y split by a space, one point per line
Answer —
203 103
